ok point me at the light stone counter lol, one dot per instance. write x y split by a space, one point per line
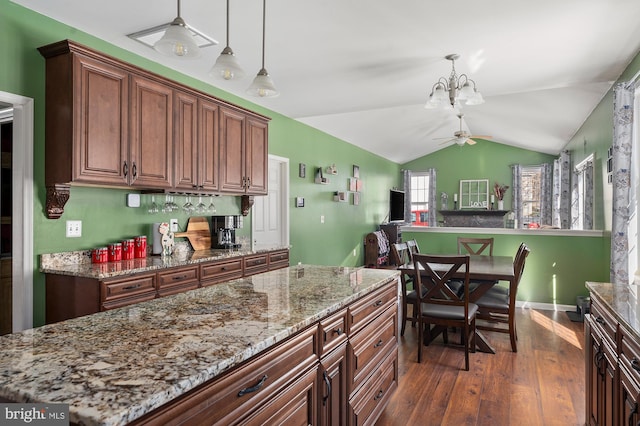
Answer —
115 366
623 302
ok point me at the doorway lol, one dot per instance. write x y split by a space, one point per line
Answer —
17 230
270 216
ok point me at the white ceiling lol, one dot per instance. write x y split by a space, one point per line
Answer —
361 70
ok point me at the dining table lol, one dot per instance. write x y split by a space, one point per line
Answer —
485 271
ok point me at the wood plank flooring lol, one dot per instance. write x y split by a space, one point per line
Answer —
542 384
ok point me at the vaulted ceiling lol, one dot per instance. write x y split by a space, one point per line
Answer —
362 70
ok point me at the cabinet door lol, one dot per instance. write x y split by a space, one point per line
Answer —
208 146
332 377
232 173
186 141
629 395
101 95
151 160
256 159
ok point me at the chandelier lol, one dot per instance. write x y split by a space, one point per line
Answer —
450 92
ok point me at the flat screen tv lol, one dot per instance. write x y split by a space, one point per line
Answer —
396 206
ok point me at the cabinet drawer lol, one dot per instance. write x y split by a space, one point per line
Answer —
369 347
215 272
630 354
278 259
604 321
236 395
332 331
180 277
128 287
255 264
367 405
363 311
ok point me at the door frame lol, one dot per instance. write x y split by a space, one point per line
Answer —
22 215
283 163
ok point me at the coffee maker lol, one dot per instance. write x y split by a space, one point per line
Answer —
223 231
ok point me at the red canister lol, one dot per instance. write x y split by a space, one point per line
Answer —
140 249
127 249
115 252
100 255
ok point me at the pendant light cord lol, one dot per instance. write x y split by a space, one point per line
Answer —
179 9
227 23
264 20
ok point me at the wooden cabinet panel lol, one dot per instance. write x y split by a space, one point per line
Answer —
178 280
256 158
219 271
278 259
208 146
255 264
370 306
232 134
101 111
332 378
125 291
185 127
629 397
332 331
151 135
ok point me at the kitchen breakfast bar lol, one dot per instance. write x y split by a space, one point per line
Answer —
306 343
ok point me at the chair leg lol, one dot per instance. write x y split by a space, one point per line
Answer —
420 342
465 341
512 333
404 318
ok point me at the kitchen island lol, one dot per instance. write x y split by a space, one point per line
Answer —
124 365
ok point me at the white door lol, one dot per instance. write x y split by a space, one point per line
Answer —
270 213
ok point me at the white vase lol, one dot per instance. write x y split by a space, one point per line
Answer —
500 204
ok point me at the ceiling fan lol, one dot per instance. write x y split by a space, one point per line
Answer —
461 136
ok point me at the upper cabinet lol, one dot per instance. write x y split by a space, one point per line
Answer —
109 123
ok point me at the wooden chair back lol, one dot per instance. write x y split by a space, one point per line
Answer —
519 261
475 246
413 248
435 273
400 254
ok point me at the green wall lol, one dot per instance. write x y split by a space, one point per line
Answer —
104 213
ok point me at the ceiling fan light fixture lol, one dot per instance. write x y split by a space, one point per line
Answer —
177 40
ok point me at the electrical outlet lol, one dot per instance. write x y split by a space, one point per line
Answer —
74 228
322 219
173 225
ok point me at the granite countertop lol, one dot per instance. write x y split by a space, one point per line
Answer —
112 367
622 300
79 264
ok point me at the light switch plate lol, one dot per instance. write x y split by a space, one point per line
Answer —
133 200
173 225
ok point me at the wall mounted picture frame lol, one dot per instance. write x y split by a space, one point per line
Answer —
356 198
299 201
302 170
356 171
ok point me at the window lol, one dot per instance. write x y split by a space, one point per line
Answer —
582 199
420 199
531 192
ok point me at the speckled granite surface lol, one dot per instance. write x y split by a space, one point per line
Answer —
79 263
115 366
622 300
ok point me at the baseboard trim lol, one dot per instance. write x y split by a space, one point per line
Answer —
545 306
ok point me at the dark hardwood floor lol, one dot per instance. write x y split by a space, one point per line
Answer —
542 384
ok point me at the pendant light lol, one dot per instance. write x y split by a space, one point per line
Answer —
262 85
177 40
226 66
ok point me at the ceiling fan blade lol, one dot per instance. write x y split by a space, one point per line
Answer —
447 141
481 136
447 137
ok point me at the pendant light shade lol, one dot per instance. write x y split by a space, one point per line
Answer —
262 85
227 66
177 40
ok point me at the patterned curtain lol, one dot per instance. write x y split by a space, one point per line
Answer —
516 200
575 200
433 198
588 196
407 196
622 152
545 202
561 184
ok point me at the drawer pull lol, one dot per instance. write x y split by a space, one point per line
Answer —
635 364
632 414
224 268
377 345
379 395
253 388
131 287
181 277
338 331
378 303
328 383
601 321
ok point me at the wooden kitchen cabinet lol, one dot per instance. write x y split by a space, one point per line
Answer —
178 280
256 263
112 124
278 259
220 270
243 153
115 293
332 374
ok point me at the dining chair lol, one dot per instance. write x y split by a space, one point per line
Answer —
475 246
440 305
496 307
402 257
413 248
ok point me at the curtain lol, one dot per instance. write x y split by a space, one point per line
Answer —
561 207
516 200
545 196
622 153
575 200
407 196
588 196
433 207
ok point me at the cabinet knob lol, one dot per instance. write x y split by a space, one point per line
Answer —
125 169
